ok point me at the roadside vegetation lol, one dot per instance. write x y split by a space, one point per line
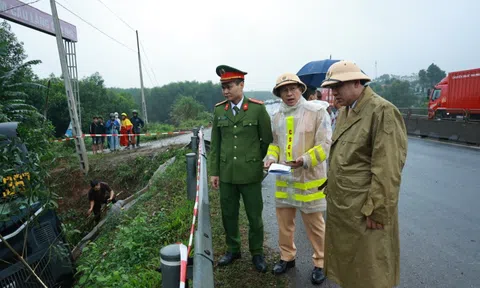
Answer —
126 254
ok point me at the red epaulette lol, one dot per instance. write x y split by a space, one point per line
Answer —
256 101
220 103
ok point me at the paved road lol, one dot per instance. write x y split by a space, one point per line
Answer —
439 219
175 140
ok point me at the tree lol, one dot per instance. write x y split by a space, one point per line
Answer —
184 109
423 78
430 77
435 74
13 54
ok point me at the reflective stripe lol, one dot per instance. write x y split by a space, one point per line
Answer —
273 150
290 127
311 152
170 263
321 152
303 186
273 153
313 156
300 197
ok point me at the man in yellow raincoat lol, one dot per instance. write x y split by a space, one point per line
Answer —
301 138
369 148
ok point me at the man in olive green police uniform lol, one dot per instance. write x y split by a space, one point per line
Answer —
241 134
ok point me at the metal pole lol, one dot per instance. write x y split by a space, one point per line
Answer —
144 106
76 129
191 176
170 266
194 143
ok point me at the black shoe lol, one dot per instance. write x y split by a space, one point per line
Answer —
259 263
317 276
228 258
282 266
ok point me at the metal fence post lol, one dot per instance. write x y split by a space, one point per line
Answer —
170 265
194 139
194 143
191 176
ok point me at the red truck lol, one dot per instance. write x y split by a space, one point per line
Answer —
456 96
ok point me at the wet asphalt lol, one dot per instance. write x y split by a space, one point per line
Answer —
439 219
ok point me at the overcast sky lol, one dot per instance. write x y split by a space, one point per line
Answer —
186 40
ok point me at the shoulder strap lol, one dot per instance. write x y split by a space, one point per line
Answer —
255 101
220 103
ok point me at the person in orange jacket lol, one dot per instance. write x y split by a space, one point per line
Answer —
126 128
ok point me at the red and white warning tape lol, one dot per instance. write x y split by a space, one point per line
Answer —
183 265
105 135
195 208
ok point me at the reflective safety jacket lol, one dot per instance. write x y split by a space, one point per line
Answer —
303 130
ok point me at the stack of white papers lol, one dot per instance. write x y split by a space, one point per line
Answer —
279 169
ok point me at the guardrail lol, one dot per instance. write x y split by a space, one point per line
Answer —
467 132
176 267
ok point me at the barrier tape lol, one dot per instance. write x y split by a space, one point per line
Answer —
183 267
114 135
195 208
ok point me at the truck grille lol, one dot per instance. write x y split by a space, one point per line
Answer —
23 278
44 233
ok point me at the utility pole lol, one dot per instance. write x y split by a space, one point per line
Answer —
72 107
144 106
376 69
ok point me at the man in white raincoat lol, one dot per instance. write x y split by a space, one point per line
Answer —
301 139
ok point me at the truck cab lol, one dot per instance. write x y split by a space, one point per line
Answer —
437 96
457 96
32 230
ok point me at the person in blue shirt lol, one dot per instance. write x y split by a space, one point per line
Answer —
113 127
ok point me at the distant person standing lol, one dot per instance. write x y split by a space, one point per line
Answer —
93 130
113 127
334 113
310 94
101 130
126 128
138 124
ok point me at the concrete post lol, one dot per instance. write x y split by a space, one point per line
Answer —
195 132
170 266
191 176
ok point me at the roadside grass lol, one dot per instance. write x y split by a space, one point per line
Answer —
127 252
241 273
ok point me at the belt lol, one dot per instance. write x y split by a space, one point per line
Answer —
323 185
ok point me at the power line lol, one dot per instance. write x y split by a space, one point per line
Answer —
148 74
24 4
143 49
93 26
149 64
116 15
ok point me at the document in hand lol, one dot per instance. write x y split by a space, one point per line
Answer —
279 169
